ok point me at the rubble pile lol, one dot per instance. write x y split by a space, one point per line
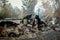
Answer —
29 28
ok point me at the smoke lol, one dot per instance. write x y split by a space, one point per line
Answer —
40 7
46 7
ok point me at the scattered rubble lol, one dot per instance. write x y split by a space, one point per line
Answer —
29 29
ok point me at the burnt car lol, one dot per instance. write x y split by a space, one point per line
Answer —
9 28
